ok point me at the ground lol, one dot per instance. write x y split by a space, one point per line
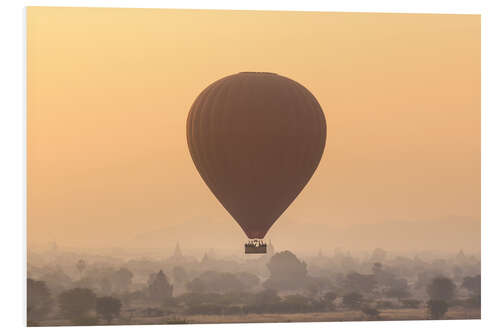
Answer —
386 314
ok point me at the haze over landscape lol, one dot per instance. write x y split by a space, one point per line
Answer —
121 228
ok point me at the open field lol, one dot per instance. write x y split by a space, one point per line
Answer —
387 314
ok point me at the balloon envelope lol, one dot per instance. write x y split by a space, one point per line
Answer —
256 139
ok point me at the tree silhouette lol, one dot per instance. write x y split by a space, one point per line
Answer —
105 286
108 307
77 305
265 301
472 284
217 282
441 288
294 304
121 280
248 280
328 300
39 302
437 308
56 280
360 282
196 286
399 289
287 272
352 300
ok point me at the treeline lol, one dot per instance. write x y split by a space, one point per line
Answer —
108 295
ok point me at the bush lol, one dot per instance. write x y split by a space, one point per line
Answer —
39 302
472 284
220 282
108 307
385 305
152 312
78 305
352 300
473 302
410 303
293 304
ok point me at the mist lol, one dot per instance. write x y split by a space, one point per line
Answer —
182 284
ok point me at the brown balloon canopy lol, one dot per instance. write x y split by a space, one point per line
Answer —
256 139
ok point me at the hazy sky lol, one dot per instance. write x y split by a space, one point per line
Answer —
109 91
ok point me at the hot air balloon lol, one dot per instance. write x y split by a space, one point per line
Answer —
256 139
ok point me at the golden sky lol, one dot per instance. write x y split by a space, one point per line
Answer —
109 91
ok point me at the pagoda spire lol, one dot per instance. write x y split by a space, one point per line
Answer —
177 252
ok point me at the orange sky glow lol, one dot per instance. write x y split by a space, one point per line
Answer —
109 91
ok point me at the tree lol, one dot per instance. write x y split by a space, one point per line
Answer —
472 284
382 275
360 282
425 277
159 287
287 272
315 285
352 300
294 304
437 308
473 302
330 296
327 300
121 279
77 305
108 307
267 296
105 286
399 289
220 281
80 266
441 288
39 302
248 280
196 286
265 301
56 280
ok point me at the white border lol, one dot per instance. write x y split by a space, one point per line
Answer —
12 162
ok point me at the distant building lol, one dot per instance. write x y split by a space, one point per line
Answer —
177 252
177 257
460 257
205 260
